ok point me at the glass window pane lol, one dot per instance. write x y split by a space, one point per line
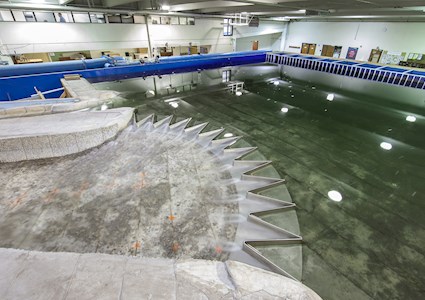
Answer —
156 20
174 21
139 19
165 20
97 18
191 21
44 16
6 15
183 20
64 17
29 16
114 19
81 17
18 15
127 19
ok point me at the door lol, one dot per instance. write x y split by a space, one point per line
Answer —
312 49
375 55
328 50
254 45
304 49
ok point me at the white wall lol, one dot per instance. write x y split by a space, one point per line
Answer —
266 42
270 34
50 37
392 36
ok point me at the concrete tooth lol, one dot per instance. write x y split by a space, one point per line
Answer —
258 204
250 166
164 124
193 132
146 123
218 146
179 127
205 138
230 154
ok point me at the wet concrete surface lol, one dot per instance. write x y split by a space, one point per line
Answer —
151 197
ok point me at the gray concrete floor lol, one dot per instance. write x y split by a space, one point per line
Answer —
145 194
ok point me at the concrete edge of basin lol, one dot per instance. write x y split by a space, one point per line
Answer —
33 274
57 144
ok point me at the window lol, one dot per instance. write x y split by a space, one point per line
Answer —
29 16
226 75
156 20
174 20
97 18
81 17
165 20
114 18
227 28
183 20
44 16
64 17
190 21
6 16
18 15
139 19
127 19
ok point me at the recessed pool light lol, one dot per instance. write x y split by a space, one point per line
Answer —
335 196
174 104
104 107
330 97
313 87
226 135
276 82
238 93
386 146
410 118
284 109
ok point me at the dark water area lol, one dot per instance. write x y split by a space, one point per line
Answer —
371 243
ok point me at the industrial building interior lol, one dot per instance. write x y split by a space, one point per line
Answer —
189 149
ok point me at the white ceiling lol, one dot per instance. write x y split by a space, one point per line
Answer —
288 9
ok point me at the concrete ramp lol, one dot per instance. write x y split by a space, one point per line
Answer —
59 134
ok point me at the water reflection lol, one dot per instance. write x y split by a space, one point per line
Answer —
386 146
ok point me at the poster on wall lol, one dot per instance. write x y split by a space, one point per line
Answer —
352 53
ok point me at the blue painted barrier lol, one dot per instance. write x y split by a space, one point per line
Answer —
22 86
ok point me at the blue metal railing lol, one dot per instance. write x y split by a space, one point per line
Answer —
385 74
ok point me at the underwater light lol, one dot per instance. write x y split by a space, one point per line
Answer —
330 97
226 135
238 93
335 196
410 118
104 107
284 109
276 82
174 104
386 146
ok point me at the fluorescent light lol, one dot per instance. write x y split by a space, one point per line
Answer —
330 97
410 118
386 146
335 196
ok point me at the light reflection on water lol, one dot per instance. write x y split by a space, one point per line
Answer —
321 146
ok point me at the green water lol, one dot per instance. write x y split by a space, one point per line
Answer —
370 245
